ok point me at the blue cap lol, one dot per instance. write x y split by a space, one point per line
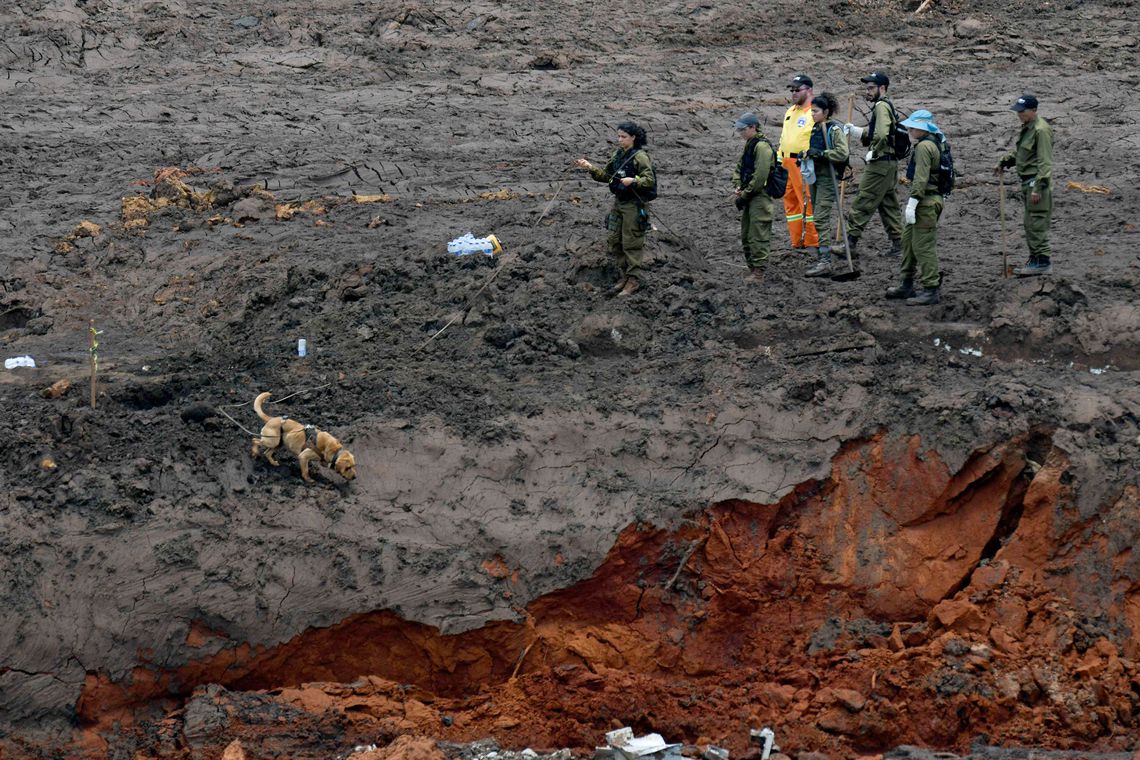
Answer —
922 119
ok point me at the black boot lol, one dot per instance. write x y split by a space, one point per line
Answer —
906 290
928 297
822 266
895 249
852 242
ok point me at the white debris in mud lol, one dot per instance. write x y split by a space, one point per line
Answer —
970 351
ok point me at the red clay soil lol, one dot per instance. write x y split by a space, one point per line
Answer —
707 507
748 615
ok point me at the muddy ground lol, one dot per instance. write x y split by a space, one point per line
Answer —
325 153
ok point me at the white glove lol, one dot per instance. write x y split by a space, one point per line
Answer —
869 156
911 205
851 129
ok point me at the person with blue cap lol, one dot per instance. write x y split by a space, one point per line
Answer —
750 179
1033 160
920 220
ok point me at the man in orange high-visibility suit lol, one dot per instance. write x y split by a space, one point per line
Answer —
794 139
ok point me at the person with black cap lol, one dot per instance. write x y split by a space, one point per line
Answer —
794 139
879 183
1033 160
920 233
632 180
750 179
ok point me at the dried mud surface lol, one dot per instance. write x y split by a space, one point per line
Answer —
702 509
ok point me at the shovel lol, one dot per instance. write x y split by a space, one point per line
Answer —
852 273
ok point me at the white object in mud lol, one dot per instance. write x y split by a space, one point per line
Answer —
302 347
768 737
468 244
19 361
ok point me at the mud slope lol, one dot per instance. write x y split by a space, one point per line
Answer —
254 179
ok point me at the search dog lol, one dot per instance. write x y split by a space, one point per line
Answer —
305 441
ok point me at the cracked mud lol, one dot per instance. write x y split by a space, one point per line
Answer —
709 507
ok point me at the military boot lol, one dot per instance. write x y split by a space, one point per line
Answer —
1036 266
822 266
928 297
895 249
906 290
852 242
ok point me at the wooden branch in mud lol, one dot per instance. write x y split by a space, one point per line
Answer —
925 6
522 657
684 561
867 341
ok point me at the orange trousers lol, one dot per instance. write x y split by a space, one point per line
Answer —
797 208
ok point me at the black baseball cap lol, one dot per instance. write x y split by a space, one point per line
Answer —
800 80
1024 103
877 77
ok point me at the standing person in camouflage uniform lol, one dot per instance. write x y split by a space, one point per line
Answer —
828 151
632 180
878 185
750 179
920 233
1033 159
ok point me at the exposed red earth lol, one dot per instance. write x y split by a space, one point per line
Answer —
708 508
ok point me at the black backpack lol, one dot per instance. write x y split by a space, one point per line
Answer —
777 183
899 137
945 169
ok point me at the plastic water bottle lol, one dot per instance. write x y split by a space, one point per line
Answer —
302 347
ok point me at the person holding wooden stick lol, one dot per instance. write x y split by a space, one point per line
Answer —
1033 160
827 149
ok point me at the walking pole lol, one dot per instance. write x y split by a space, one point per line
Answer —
843 180
1001 213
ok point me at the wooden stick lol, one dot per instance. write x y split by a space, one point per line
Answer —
1001 213
843 180
684 561
94 360
522 657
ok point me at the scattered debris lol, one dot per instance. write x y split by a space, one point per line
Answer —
468 244
19 361
56 389
621 744
382 198
766 738
48 463
1095 189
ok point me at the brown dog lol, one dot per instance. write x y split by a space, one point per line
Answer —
305 441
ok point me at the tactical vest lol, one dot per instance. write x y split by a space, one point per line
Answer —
632 194
892 153
748 161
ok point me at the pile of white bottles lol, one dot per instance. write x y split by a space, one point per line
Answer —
469 244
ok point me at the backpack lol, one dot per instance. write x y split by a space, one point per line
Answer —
841 169
899 138
945 169
777 183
